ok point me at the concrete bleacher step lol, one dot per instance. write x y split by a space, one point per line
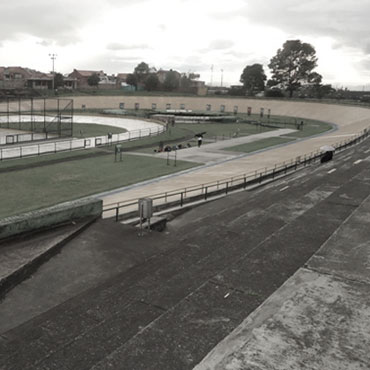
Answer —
21 256
170 310
208 288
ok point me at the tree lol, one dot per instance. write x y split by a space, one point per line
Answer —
93 80
131 79
58 80
293 64
151 82
253 79
141 72
171 82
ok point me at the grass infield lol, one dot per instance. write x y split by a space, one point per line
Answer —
30 188
37 182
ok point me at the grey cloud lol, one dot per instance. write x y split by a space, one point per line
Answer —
110 64
118 46
48 20
44 43
221 44
55 21
344 20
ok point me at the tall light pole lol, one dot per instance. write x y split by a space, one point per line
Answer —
222 76
211 74
53 57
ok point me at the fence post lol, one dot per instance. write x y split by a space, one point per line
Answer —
182 199
206 193
117 213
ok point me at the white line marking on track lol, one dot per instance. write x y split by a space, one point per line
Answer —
333 170
367 151
358 161
284 188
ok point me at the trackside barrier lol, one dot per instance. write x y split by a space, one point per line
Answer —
12 152
179 198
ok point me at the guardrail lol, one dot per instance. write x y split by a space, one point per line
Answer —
76 144
180 197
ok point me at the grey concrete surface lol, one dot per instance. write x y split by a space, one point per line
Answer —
320 318
166 300
315 321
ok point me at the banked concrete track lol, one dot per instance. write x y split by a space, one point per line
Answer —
348 121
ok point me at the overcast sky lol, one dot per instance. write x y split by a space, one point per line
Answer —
187 35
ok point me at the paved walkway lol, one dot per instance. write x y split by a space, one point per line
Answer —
212 153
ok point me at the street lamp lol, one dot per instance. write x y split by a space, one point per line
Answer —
53 57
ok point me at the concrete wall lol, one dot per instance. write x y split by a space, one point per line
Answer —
50 217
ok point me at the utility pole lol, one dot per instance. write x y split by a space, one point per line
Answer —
53 57
211 74
222 76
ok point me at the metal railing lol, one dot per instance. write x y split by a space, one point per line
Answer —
76 144
178 198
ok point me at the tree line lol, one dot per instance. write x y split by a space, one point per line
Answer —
292 69
147 78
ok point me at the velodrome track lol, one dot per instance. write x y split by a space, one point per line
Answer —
348 121
169 311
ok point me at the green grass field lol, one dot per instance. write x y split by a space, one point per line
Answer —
30 188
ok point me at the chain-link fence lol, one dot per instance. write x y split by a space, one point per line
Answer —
35 119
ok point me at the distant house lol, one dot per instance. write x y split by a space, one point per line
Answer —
199 87
20 78
82 77
162 74
70 83
121 79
